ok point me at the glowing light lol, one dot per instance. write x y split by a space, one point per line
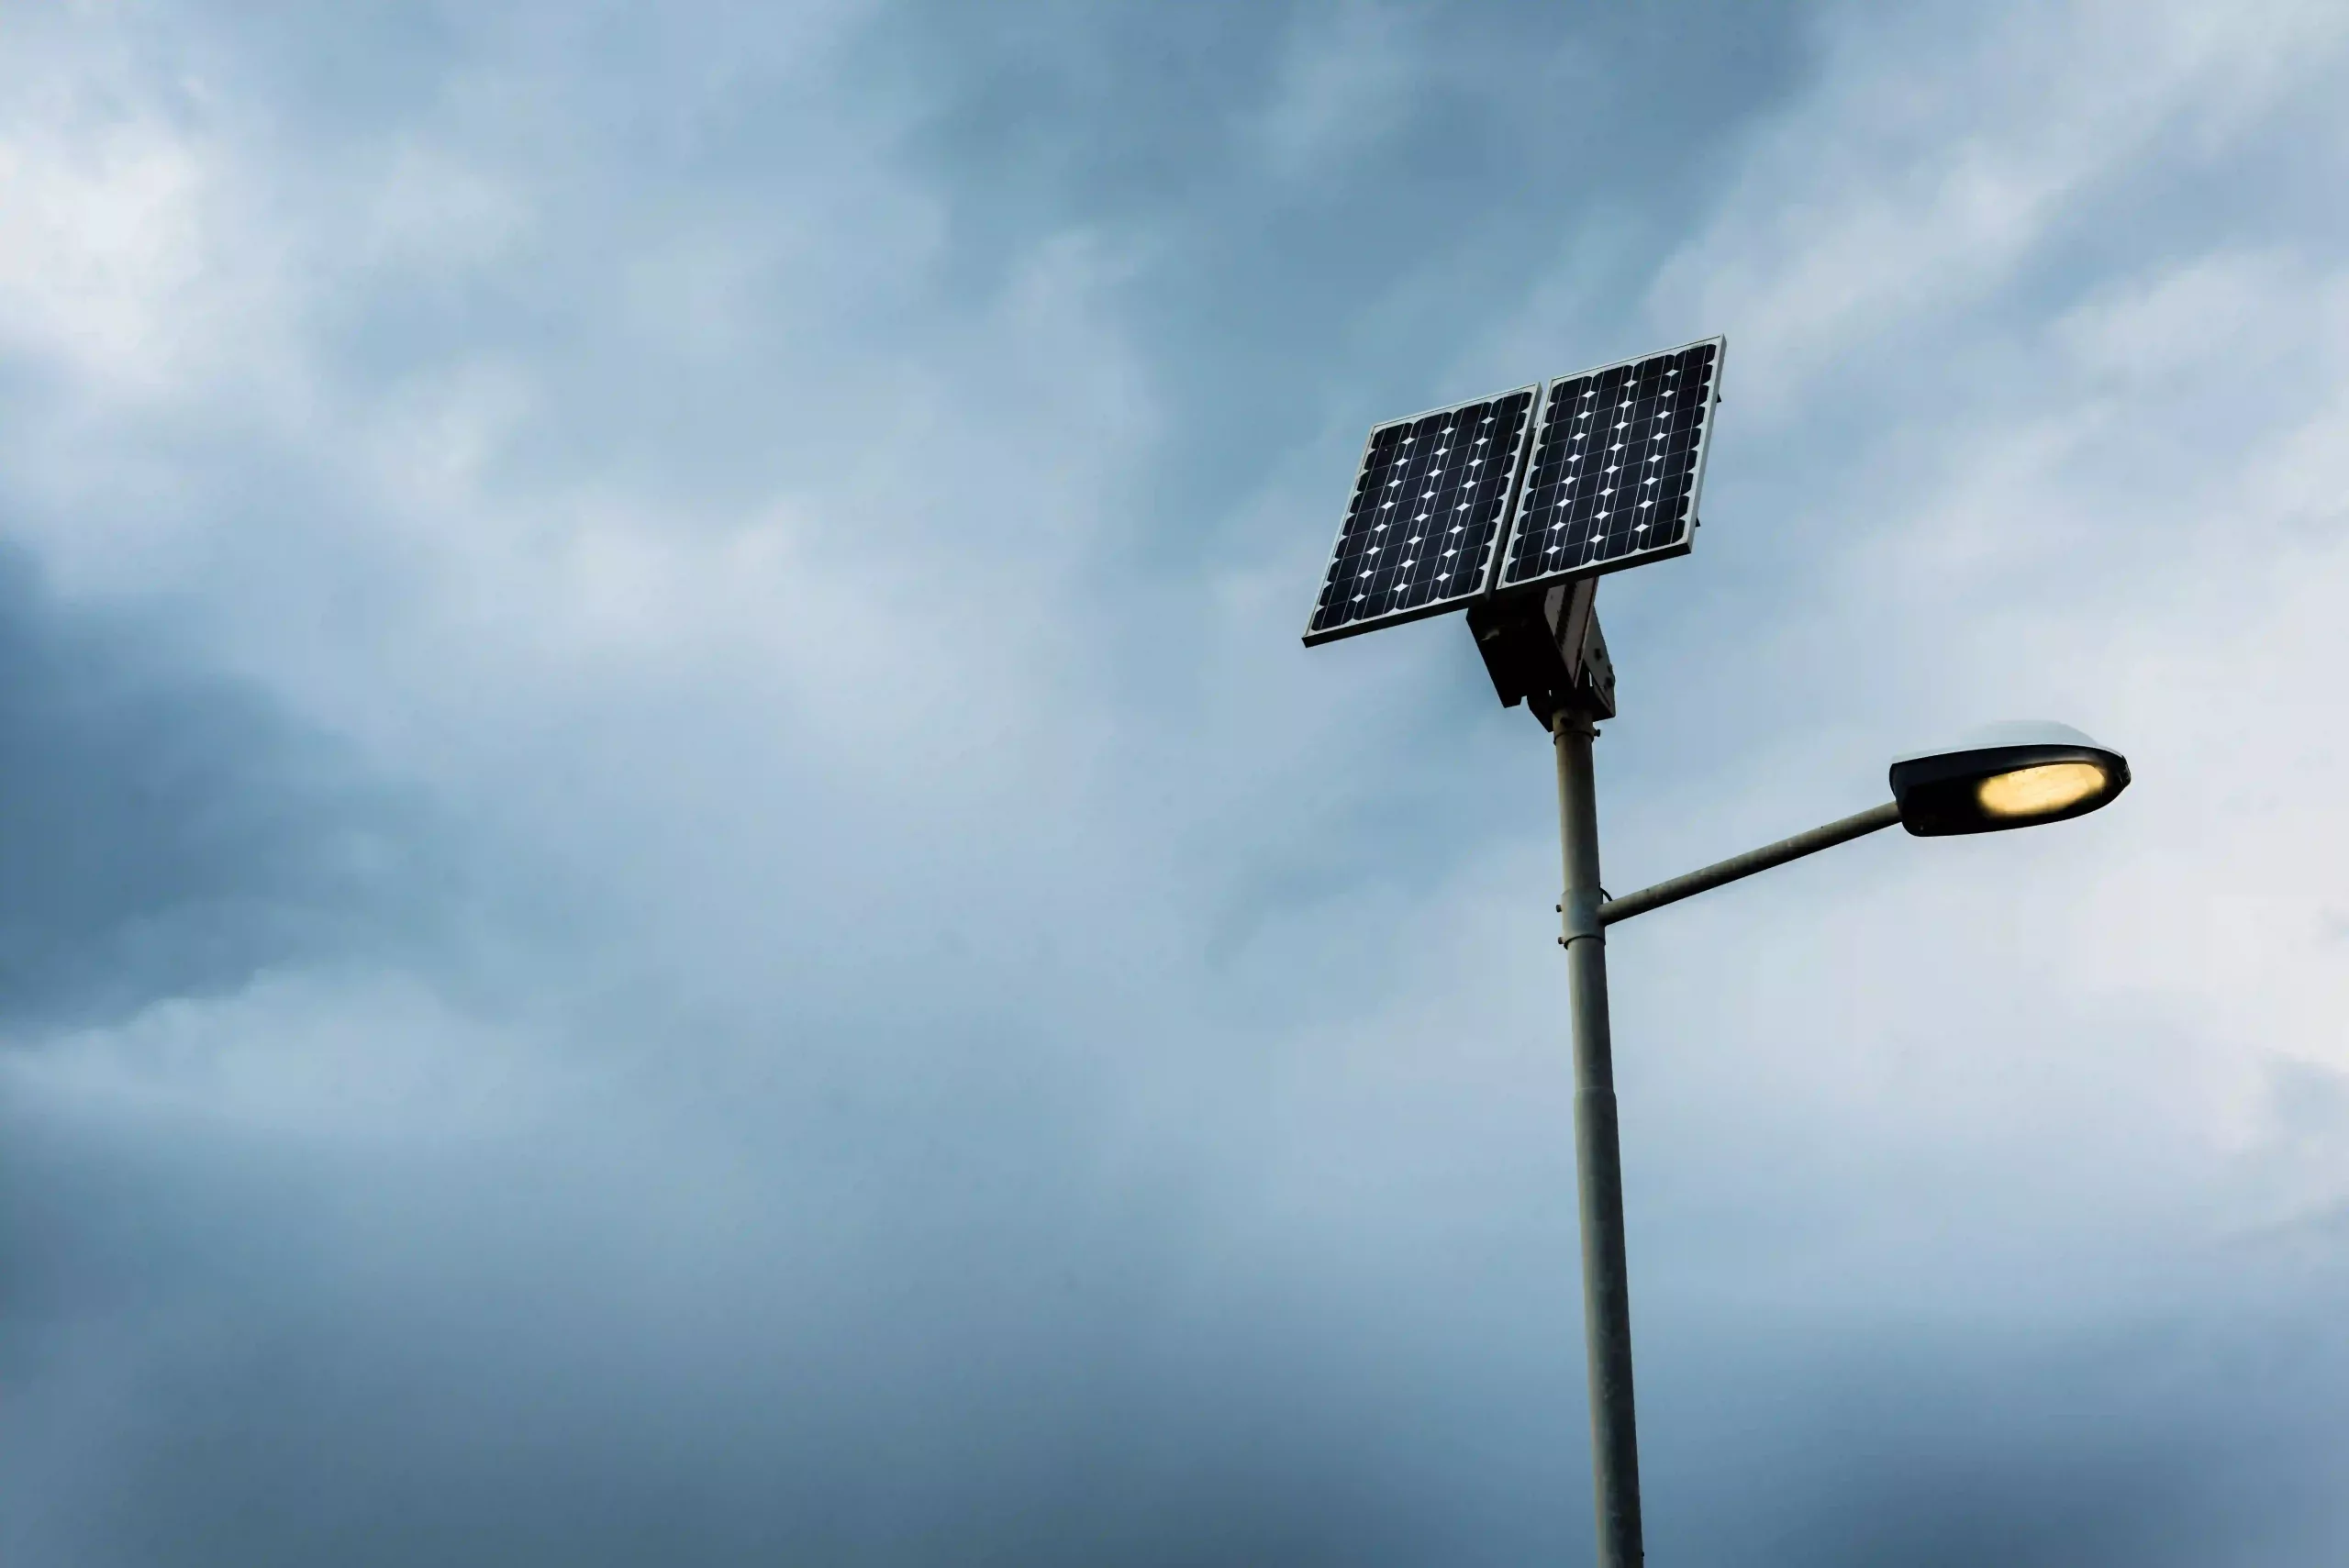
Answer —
2040 791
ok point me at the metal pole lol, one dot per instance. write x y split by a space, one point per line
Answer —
1721 872
1605 1288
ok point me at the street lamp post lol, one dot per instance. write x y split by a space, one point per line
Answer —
1510 507
2012 776
1598 1161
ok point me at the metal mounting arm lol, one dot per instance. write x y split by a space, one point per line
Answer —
1746 864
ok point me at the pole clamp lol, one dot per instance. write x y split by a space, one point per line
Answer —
1580 911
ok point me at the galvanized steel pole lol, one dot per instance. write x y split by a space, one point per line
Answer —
1605 1288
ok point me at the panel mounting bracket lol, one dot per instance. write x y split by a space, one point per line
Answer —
1546 650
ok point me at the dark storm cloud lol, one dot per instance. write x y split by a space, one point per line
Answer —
1313 196
932 1160
163 832
378 1358
2158 1441
274 1352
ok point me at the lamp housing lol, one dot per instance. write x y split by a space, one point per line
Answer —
2007 775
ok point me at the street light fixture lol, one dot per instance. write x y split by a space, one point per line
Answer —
2009 775
1511 507
2017 774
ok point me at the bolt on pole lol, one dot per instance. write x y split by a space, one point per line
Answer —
1606 1286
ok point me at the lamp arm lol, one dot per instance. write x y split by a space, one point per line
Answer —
1746 864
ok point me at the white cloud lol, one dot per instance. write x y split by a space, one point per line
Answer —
341 1058
1944 146
434 210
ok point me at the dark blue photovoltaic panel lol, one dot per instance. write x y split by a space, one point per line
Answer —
1428 506
1616 467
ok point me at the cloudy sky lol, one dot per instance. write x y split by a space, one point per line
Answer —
672 889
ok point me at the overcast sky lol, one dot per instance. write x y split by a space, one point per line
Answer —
671 888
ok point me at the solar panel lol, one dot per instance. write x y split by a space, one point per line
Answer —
1616 464
1429 504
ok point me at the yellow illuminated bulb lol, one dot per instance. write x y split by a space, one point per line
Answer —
2040 791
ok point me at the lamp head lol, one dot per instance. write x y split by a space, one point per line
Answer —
2007 775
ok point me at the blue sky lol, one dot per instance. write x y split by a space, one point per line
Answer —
671 887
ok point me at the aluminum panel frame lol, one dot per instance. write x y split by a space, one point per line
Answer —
1497 548
1687 540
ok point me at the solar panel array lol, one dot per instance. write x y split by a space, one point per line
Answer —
1429 504
1616 468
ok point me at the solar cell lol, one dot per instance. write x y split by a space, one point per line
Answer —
1617 460
1429 504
